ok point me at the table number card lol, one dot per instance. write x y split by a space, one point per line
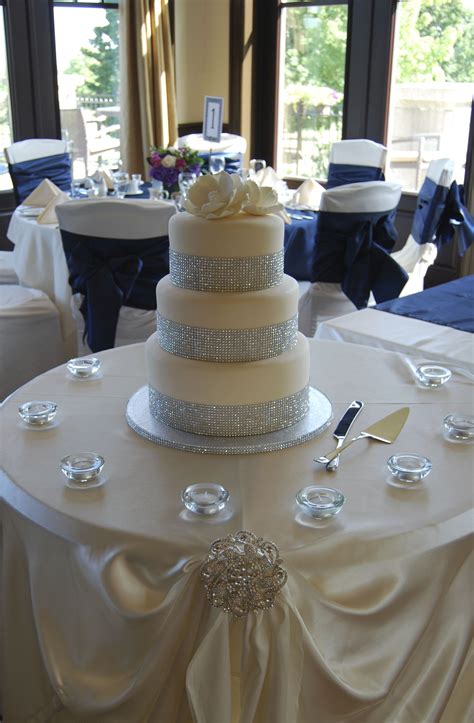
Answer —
213 114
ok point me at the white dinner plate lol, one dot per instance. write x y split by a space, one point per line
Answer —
138 193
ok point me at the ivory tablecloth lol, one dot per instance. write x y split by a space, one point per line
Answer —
104 615
39 262
418 339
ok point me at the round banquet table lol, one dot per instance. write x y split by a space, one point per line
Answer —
104 615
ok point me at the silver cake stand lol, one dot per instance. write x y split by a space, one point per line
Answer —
143 423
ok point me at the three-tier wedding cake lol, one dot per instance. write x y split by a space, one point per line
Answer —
227 359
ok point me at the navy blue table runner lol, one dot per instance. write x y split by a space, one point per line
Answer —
450 304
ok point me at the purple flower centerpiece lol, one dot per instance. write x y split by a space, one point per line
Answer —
167 163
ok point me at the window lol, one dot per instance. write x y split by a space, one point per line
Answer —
6 134
432 88
399 72
313 40
88 82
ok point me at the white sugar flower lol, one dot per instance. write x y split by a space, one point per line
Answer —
263 200
216 196
169 161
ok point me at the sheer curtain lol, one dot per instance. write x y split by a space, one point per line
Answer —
147 81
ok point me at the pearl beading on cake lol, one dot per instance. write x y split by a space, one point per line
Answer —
229 420
226 345
226 274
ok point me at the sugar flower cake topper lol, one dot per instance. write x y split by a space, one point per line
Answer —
224 194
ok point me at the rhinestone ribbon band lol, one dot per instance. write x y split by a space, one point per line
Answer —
229 420
236 273
226 345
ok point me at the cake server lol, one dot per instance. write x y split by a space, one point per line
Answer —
385 430
342 429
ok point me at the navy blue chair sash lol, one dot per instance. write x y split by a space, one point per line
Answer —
299 246
429 209
27 175
455 216
353 249
449 304
233 161
340 174
110 273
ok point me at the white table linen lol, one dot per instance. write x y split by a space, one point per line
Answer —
418 339
106 618
39 262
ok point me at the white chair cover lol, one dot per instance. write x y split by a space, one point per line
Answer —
133 325
30 336
33 148
7 272
417 258
324 300
109 218
358 152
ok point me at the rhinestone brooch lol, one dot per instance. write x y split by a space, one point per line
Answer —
242 573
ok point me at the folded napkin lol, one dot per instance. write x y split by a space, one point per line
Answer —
102 173
49 213
42 195
308 195
267 177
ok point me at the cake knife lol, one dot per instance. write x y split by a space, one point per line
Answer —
340 433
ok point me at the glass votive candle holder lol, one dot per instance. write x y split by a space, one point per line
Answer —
432 375
459 428
37 413
205 498
83 367
408 470
82 468
320 502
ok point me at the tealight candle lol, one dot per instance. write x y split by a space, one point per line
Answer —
83 367
82 467
38 413
205 499
459 428
320 502
432 375
408 470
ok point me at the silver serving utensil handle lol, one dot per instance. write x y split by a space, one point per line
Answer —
332 455
333 464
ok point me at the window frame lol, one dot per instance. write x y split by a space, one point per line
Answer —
370 43
32 69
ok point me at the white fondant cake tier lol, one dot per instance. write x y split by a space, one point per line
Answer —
232 236
209 383
239 310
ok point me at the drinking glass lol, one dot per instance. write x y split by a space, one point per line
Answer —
135 183
158 192
121 181
256 165
75 189
186 180
216 164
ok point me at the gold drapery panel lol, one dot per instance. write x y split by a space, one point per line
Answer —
147 81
